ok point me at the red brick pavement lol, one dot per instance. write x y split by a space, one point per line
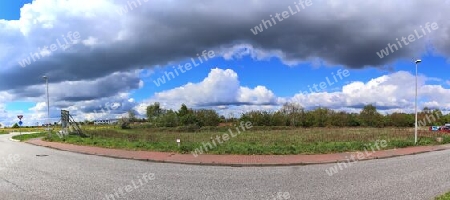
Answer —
237 160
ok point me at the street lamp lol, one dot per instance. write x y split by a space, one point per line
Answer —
48 107
415 106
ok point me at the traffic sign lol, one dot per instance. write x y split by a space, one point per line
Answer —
20 117
20 123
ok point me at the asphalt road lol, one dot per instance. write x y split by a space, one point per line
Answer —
32 172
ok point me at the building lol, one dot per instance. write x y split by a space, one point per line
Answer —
105 121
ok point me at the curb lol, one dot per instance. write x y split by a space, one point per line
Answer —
238 165
191 163
24 133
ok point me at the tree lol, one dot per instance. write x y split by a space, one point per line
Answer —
294 113
15 125
427 110
353 119
400 120
153 112
291 108
440 119
258 118
291 114
124 123
207 117
183 110
279 119
222 119
186 116
168 119
321 117
132 115
340 119
308 119
370 117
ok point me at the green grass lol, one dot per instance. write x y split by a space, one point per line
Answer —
445 196
258 140
25 137
23 129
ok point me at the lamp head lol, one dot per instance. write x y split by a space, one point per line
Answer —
418 61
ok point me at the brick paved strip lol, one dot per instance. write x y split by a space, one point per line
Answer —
233 160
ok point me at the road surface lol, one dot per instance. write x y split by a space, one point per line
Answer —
32 172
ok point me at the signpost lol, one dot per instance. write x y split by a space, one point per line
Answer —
20 123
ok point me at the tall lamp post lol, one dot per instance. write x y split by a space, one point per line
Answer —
415 105
48 107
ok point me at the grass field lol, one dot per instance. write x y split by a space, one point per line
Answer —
29 136
257 140
445 196
10 130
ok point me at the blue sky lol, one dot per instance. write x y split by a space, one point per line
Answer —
116 61
10 10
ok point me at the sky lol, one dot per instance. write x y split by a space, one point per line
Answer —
106 57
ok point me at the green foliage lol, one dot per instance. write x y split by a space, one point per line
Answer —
258 118
292 114
153 111
308 120
207 117
168 119
445 196
282 140
132 115
183 117
184 111
188 128
25 137
400 120
16 126
124 123
321 117
370 117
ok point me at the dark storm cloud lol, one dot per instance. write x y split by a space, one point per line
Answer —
340 33
74 91
26 92
107 86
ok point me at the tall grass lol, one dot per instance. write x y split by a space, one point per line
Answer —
257 140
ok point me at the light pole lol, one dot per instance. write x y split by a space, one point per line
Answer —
415 106
48 107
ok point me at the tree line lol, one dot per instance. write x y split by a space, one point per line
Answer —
183 117
292 114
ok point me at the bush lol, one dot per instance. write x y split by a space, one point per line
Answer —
125 124
188 128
